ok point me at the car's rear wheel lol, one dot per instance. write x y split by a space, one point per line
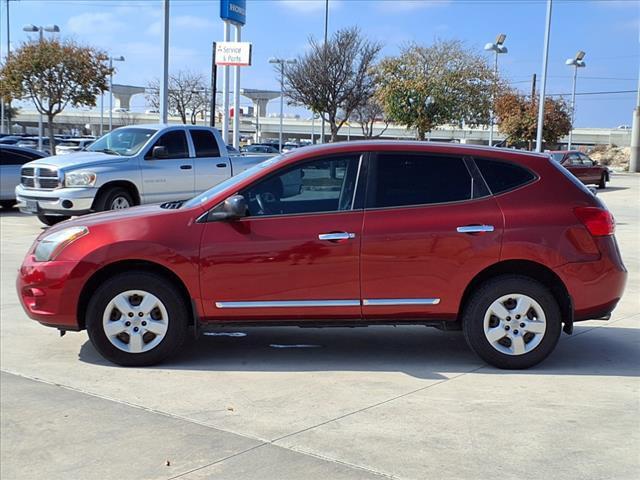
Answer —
137 319
51 220
512 322
114 199
603 181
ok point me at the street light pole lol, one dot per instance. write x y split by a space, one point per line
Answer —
281 62
543 84
497 48
111 60
324 56
40 30
576 62
164 84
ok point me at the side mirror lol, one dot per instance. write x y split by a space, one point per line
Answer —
232 208
160 152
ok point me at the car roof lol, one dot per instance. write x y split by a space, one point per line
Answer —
21 149
408 145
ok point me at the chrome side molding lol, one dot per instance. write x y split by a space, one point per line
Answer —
290 304
400 301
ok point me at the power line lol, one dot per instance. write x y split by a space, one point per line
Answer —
612 92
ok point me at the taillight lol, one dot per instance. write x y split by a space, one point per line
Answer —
598 221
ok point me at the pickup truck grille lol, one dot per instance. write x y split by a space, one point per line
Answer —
39 177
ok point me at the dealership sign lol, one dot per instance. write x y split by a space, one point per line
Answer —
237 54
234 11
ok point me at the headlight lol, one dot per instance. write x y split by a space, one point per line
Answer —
79 179
50 246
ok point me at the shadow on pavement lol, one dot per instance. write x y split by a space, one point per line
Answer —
416 351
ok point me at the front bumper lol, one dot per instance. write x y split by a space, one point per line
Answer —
49 291
61 201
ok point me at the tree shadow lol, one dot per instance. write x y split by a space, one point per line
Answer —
417 351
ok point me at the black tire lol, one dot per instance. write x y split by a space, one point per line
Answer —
479 303
7 204
51 220
165 291
603 182
107 199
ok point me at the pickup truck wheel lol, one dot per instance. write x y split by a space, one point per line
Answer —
136 319
114 199
51 220
512 322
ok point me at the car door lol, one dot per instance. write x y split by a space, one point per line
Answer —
169 178
430 226
296 256
574 164
210 168
592 171
11 161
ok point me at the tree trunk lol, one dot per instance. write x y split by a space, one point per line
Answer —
420 133
334 131
52 141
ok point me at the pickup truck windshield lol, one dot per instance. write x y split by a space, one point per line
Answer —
123 141
230 182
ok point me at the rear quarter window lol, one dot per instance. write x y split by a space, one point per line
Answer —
503 176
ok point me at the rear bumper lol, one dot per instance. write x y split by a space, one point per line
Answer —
62 201
596 287
49 291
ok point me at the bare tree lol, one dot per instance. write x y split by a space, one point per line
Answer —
335 79
187 96
368 114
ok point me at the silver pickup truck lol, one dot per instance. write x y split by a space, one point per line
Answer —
129 166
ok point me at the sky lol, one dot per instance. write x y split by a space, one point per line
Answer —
607 30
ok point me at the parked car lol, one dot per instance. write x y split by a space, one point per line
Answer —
32 142
506 245
12 159
259 148
586 170
130 166
10 139
71 145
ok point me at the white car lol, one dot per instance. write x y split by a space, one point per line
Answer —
73 145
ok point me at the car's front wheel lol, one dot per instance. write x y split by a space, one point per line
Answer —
137 319
602 184
512 322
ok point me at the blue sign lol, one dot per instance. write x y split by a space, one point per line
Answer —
234 10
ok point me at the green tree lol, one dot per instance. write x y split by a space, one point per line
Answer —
517 117
53 75
444 83
333 80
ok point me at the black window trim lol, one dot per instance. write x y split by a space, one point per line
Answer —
535 178
193 143
358 199
187 138
371 166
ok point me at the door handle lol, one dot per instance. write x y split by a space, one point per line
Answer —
475 229
221 165
334 236
185 167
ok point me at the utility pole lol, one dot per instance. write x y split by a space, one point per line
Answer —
164 84
634 164
8 115
236 96
324 56
545 60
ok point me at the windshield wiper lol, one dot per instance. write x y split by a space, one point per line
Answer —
109 151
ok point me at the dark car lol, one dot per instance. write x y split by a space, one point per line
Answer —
507 246
586 170
259 148
11 160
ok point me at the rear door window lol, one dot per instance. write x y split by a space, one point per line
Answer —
403 179
502 176
204 143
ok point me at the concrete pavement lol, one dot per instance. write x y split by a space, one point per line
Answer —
382 402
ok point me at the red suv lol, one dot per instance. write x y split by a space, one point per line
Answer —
505 245
586 170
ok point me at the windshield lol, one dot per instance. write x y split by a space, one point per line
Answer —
230 182
557 156
123 141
